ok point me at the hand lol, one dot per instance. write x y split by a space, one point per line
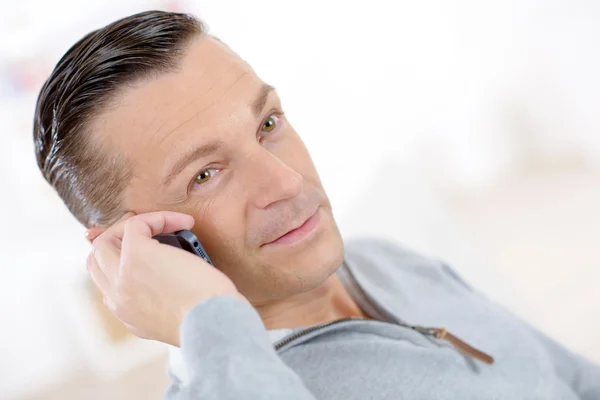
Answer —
151 286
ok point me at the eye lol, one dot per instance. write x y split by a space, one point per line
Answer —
205 175
270 124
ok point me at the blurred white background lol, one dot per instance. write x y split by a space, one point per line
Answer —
469 130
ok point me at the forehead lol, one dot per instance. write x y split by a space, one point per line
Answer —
209 90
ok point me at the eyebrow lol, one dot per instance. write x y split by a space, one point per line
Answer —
257 107
259 102
190 157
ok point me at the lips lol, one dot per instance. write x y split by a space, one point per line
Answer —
293 228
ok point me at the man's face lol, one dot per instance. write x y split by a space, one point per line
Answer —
211 140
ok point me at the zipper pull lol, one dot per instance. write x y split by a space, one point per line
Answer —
460 345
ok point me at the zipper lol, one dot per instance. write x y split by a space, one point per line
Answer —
306 331
437 333
459 344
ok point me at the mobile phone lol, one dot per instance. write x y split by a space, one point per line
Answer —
185 240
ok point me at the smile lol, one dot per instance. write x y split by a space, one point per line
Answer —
300 233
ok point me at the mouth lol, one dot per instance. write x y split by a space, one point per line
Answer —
301 232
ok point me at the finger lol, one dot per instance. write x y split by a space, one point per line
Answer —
143 227
106 251
126 216
107 247
162 222
137 231
109 305
95 231
92 233
134 330
96 273
155 223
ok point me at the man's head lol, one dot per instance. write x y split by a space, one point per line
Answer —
151 113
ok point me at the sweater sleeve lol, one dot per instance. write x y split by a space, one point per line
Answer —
228 355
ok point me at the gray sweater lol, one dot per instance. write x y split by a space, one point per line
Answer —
228 354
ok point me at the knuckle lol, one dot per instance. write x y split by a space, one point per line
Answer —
129 221
97 243
121 286
118 307
89 261
109 304
137 332
134 220
126 271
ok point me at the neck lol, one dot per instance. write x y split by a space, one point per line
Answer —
328 302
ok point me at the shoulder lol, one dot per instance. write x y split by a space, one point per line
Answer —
385 257
381 246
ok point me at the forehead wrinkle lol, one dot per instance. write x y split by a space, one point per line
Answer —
178 68
205 108
191 85
190 104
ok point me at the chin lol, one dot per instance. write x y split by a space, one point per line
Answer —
307 267
288 270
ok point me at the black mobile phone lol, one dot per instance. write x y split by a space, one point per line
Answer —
185 240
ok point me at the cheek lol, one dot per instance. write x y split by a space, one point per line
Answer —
295 155
220 225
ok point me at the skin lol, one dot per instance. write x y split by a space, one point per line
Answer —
255 185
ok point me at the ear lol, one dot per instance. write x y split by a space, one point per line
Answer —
93 232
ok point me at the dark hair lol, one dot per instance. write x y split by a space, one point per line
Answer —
87 78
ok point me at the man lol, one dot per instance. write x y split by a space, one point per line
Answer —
150 125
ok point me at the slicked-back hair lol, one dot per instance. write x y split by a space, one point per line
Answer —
88 178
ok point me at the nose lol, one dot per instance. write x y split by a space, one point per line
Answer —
271 180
